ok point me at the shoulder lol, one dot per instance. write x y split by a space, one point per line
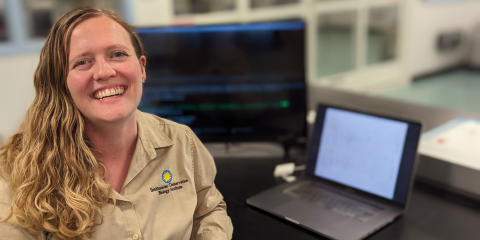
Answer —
5 199
155 124
5 191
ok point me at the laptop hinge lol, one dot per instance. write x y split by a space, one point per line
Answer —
291 220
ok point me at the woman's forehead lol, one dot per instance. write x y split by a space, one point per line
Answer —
98 32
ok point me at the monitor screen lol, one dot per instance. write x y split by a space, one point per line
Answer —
240 82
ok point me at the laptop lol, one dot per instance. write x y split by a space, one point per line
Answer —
359 175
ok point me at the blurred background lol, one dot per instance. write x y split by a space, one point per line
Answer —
423 51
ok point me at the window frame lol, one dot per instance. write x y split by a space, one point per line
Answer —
18 39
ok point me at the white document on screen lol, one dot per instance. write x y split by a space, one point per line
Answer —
361 151
457 142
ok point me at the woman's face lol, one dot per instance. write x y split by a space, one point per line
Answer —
105 75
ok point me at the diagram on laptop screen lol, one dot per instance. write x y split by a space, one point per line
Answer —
361 151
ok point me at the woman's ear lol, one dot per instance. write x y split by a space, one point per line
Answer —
143 63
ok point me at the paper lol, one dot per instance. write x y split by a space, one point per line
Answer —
457 141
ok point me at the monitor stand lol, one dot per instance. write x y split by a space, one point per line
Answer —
245 150
286 151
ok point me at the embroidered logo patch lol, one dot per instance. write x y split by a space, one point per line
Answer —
167 176
170 186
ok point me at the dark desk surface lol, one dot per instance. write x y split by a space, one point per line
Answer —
432 214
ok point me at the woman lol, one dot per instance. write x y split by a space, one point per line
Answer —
86 164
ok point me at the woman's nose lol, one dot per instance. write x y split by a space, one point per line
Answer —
103 70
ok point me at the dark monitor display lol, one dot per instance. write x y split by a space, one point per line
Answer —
241 82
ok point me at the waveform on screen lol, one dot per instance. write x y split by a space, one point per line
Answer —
178 93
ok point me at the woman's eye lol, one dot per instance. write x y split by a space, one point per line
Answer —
119 54
80 63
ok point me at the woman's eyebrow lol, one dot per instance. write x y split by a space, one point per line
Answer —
117 46
83 54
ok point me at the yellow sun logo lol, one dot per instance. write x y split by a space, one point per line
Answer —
167 176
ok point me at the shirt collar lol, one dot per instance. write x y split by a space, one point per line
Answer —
151 135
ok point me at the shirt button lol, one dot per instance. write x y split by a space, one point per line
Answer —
135 236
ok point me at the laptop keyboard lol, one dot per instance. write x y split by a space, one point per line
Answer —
334 202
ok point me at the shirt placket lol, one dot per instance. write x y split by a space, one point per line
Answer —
128 210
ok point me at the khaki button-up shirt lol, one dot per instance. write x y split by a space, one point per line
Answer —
169 191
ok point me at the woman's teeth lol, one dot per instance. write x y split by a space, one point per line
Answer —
109 93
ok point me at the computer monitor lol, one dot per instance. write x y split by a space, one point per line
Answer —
229 83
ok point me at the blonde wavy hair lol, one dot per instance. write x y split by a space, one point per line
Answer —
57 184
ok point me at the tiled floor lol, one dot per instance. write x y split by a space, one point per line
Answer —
459 90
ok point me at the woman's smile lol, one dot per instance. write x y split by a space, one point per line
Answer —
110 92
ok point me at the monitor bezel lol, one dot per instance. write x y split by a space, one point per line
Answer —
298 137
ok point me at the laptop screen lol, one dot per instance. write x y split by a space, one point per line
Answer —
370 153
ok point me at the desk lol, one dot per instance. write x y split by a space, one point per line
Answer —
433 213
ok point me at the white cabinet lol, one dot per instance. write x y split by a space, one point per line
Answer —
358 45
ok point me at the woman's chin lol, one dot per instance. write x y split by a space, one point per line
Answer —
112 117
